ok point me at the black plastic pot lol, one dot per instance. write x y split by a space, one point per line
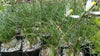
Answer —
19 53
61 50
46 37
0 48
0 45
86 50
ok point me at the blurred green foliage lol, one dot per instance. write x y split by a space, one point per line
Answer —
40 18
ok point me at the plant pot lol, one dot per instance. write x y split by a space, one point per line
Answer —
20 53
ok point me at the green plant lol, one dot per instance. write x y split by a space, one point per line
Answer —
44 17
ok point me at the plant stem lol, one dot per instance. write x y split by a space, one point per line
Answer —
74 6
74 25
71 29
86 31
41 9
61 24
